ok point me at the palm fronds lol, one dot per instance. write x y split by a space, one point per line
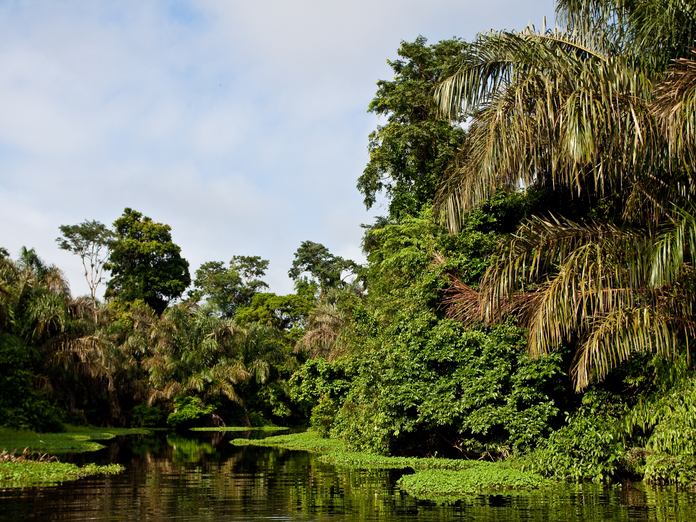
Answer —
613 291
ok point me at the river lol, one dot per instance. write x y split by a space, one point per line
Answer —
201 477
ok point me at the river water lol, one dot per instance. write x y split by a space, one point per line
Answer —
201 477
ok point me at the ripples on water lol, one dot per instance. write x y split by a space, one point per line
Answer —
204 478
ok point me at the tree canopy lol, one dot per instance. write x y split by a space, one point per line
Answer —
323 268
228 289
411 152
145 263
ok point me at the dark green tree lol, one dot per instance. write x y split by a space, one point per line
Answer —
92 242
410 153
284 312
230 288
145 263
325 269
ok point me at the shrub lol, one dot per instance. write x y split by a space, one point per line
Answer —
145 416
187 411
588 447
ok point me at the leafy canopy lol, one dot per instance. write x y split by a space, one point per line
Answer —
228 289
325 269
145 263
410 153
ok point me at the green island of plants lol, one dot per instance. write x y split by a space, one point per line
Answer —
433 478
34 469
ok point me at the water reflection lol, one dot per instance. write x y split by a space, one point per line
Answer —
202 477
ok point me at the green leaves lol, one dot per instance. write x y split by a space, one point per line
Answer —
187 411
145 263
409 154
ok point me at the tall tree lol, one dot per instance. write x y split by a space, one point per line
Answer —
92 242
410 153
228 289
145 263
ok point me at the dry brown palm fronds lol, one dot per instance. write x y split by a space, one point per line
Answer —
27 456
675 102
462 302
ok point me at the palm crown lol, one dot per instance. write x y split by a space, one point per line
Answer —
603 109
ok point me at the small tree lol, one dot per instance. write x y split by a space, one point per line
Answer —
92 242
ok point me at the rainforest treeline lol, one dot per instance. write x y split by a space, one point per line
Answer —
529 295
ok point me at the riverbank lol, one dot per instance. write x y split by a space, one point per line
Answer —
75 439
29 459
440 480
31 469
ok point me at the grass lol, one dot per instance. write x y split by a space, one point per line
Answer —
241 428
441 480
76 439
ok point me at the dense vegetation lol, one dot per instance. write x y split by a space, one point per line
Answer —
530 295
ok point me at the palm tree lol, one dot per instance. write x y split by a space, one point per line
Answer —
322 337
192 350
576 108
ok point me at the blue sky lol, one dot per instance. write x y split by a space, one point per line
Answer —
242 125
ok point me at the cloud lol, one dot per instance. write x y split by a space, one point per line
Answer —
243 125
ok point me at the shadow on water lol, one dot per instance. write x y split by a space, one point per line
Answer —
199 476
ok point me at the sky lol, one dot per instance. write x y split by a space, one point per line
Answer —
242 125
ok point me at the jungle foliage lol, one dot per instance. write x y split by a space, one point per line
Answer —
530 295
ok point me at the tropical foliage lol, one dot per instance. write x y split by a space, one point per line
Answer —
575 108
529 296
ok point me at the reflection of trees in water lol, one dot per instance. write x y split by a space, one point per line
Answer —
206 478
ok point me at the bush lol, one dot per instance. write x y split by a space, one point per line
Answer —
187 411
323 415
145 416
588 447
668 420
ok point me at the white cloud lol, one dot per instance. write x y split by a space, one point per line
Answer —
240 124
